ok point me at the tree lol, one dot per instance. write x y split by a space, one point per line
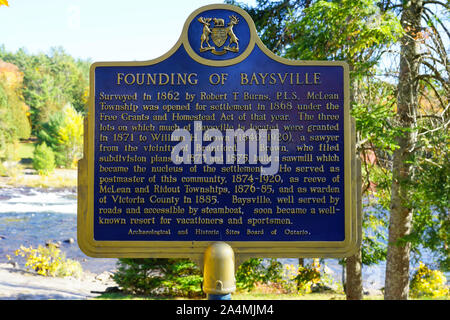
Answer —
400 220
50 81
271 19
14 123
412 152
49 134
356 31
48 92
43 159
63 133
70 136
409 174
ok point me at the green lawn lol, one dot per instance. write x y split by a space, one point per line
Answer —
242 296
23 150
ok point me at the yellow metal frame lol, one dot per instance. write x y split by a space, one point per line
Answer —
196 249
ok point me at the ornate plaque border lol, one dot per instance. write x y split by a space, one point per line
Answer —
195 249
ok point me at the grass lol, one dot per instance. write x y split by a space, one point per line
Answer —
261 292
25 150
19 151
22 174
241 296
121 296
256 296
288 296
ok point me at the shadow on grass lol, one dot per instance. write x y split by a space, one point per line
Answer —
124 296
239 296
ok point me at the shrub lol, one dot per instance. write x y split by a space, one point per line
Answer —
171 277
256 271
181 277
49 261
428 283
43 159
307 276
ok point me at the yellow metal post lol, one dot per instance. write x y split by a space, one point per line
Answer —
218 271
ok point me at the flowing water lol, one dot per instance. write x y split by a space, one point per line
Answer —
33 216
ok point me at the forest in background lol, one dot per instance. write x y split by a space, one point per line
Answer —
398 55
43 97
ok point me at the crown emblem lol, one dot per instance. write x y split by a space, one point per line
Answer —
219 35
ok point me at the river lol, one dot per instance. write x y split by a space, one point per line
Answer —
33 216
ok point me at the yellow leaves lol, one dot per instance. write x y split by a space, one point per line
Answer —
4 3
70 134
85 96
48 261
429 283
39 259
304 277
289 271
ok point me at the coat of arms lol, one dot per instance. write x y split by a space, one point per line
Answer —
219 35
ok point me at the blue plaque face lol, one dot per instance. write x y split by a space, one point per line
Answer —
218 140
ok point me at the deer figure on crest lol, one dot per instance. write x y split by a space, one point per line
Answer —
206 32
233 39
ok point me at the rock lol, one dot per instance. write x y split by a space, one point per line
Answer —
10 164
328 271
69 241
49 243
24 285
317 287
113 290
373 292
104 276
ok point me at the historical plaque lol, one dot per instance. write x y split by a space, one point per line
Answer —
218 140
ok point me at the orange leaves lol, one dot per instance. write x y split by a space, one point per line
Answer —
10 74
4 2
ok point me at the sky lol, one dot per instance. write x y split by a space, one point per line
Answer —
99 30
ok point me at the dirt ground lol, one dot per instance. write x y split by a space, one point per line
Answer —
20 284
